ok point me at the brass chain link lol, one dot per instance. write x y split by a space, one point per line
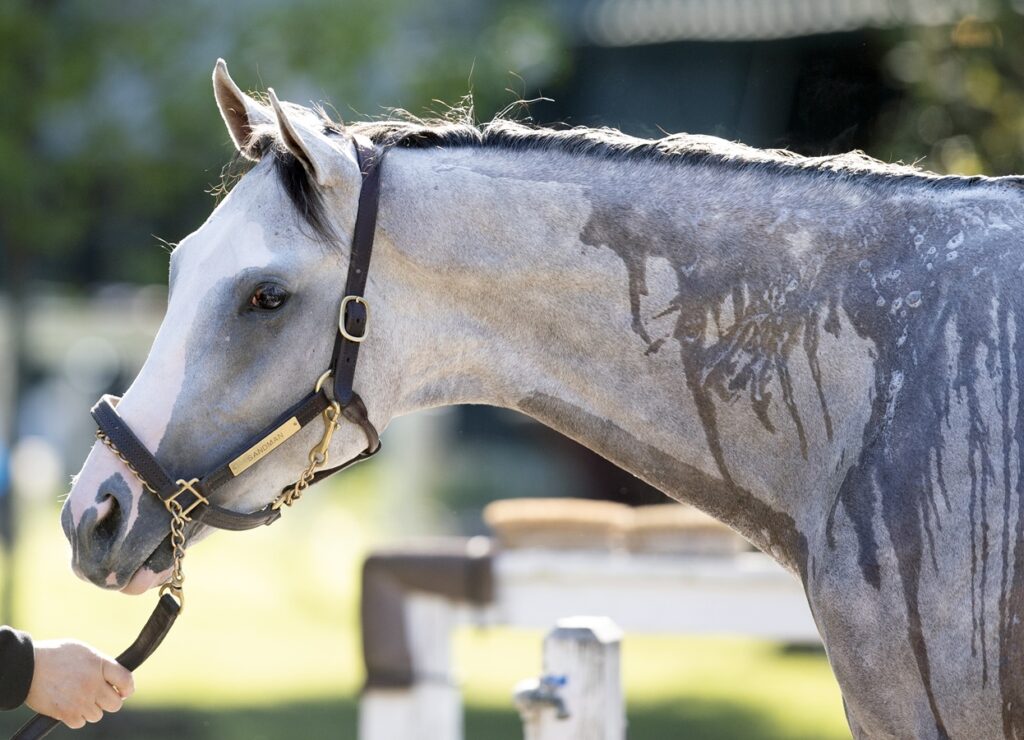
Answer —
318 457
177 583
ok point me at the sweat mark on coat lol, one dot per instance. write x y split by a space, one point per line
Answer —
769 315
771 530
897 293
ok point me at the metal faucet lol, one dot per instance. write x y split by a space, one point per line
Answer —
533 694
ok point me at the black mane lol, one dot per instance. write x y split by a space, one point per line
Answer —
611 144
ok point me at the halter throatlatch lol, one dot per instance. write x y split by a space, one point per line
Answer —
192 499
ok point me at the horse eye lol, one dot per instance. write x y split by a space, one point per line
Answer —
268 297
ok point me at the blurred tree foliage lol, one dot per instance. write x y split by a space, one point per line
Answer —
963 94
109 134
108 129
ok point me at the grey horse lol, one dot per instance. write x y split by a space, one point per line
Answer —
826 354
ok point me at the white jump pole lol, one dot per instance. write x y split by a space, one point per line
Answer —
579 697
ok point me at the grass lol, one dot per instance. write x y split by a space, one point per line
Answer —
268 646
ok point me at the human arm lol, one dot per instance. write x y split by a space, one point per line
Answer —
17 664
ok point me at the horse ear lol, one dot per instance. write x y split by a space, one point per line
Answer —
324 163
241 113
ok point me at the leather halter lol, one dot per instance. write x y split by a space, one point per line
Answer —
195 498
192 498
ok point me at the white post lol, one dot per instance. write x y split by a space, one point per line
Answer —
579 697
432 707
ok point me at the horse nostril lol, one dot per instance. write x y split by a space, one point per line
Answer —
108 521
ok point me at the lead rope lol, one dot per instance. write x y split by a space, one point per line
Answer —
172 594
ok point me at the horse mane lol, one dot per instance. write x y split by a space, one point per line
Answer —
409 132
405 131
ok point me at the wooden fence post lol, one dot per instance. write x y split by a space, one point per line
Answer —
432 706
409 608
579 697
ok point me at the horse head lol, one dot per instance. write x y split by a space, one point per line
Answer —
251 315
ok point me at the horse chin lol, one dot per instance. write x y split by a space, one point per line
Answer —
144 579
147 576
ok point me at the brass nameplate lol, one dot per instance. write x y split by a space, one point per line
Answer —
264 447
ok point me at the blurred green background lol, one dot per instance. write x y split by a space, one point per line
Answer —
110 144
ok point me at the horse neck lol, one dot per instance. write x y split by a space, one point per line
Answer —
591 293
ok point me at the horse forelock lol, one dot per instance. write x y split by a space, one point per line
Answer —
302 192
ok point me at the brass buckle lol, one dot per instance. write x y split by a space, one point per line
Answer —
172 501
341 317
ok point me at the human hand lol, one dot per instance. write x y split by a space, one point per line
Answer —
75 684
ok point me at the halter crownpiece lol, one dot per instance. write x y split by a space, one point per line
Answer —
192 499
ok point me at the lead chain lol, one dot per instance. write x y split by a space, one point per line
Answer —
318 457
176 585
